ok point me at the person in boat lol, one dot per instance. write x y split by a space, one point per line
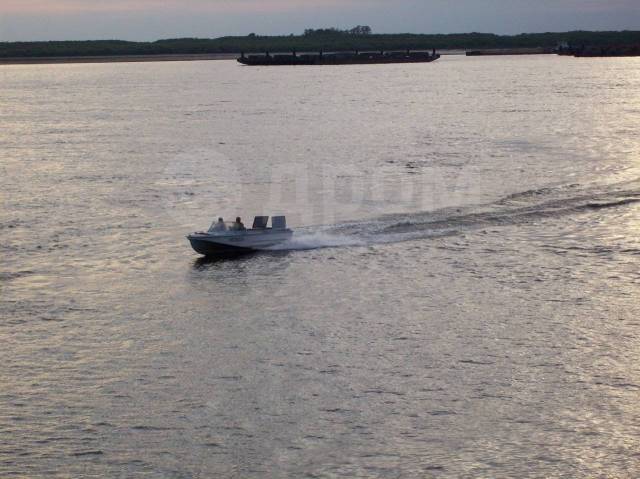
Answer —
219 226
238 225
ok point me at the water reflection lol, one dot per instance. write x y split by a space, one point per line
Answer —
204 262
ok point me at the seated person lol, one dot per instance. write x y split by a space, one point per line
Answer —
219 226
238 225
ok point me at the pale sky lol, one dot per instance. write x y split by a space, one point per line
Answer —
24 20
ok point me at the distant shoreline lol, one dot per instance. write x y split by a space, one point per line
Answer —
118 58
312 41
179 57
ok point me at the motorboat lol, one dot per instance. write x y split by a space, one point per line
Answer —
225 238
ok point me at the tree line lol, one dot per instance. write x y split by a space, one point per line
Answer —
359 30
359 38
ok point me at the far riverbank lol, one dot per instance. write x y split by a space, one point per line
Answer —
118 58
208 56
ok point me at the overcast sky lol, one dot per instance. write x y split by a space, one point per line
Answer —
154 19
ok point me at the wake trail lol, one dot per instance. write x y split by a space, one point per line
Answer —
518 208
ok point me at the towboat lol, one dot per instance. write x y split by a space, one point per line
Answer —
224 238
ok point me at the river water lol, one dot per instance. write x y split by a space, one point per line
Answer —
460 299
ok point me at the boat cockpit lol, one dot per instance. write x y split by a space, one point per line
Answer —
260 224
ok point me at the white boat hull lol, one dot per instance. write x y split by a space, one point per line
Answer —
215 244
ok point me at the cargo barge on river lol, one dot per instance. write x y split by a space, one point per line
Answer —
351 58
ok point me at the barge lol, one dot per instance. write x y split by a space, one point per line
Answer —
350 58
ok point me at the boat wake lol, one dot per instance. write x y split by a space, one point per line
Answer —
305 239
520 208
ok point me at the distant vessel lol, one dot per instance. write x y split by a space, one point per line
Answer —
225 238
601 51
351 58
509 51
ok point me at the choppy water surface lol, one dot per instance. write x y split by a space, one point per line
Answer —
461 298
